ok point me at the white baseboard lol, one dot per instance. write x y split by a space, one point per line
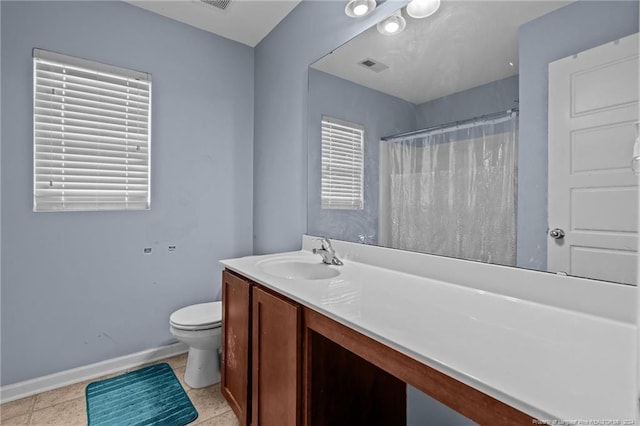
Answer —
53 381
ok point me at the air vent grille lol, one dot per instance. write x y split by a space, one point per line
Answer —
220 4
373 65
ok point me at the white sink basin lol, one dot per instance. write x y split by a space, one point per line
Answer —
299 269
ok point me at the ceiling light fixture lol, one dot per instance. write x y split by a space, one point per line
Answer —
359 8
393 25
422 8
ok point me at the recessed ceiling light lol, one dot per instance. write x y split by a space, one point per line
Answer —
422 8
394 24
391 27
510 64
359 8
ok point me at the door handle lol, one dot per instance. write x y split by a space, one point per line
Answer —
556 233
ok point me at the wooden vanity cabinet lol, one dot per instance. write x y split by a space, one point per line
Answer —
261 351
236 350
276 360
288 365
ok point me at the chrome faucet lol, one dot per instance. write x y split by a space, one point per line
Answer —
327 252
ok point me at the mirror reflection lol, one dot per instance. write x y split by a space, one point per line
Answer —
500 132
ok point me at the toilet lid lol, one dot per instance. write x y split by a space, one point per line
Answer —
197 316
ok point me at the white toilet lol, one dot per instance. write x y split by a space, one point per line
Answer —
200 327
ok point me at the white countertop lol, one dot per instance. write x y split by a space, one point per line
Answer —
549 362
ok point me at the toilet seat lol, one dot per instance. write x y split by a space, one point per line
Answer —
202 316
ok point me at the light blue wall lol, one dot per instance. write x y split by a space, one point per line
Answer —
572 29
425 411
309 32
0 182
381 115
496 96
76 287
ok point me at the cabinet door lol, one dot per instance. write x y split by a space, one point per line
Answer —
236 322
276 360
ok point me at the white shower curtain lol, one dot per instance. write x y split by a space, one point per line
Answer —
452 191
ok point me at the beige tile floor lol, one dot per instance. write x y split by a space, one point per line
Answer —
67 406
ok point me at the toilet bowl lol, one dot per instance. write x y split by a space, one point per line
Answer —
200 327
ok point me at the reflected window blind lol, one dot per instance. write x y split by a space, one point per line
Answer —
92 135
342 164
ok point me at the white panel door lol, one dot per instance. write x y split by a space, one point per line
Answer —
593 192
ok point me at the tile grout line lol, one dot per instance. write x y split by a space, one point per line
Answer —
51 406
30 412
200 421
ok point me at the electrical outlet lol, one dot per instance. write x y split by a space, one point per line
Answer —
147 250
172 248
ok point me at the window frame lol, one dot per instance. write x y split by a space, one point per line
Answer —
352 197
125 185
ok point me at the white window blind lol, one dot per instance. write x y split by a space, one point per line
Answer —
92 129
342 164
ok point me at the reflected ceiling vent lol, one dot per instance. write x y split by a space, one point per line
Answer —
219 4
373 65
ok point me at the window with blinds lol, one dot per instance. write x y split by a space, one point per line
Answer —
92 129
342 164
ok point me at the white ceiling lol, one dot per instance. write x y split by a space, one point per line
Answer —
245 21
464 45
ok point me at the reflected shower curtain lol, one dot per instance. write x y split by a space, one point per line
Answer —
452 191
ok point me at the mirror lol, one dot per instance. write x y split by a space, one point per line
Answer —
492 131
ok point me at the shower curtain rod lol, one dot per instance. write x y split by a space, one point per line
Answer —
486 117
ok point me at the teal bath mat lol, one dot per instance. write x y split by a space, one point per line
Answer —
149 396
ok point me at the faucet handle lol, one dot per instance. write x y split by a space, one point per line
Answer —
324 242
327 252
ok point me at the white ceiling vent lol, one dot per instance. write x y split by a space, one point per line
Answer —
373 65
219 4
